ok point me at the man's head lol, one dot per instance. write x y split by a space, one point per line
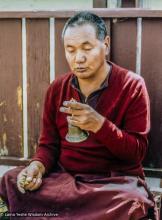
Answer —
87 18
86 44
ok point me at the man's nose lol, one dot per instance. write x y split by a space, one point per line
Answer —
80 57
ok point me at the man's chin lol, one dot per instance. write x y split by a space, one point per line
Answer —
83 75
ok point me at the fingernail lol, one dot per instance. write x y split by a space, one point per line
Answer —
22 191
61 109
29 178
34 180
65 103
39 180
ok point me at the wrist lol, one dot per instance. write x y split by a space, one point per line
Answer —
99 124
40 166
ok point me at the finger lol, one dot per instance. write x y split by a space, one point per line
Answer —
20 185
36 185
77 121
75 105
20 188
71 111
34 182
29 185
23 172
20 179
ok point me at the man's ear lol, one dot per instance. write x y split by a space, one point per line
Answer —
107 44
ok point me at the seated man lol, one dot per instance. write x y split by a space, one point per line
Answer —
99 177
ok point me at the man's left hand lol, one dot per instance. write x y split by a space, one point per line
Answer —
82 116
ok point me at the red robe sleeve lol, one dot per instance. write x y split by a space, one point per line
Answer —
48 146
130 142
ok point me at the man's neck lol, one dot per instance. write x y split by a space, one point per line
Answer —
87 86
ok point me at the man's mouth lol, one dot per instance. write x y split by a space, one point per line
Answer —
80 69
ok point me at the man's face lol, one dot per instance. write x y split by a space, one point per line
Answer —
84 52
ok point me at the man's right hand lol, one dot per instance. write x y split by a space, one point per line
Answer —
32 174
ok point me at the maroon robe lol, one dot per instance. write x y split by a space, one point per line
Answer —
102 177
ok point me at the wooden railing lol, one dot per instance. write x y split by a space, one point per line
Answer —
32 55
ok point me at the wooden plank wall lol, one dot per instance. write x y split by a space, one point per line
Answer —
61 65
152 73
123 38
123 32
10 88
38 76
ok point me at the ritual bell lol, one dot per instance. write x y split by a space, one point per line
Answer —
75 134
